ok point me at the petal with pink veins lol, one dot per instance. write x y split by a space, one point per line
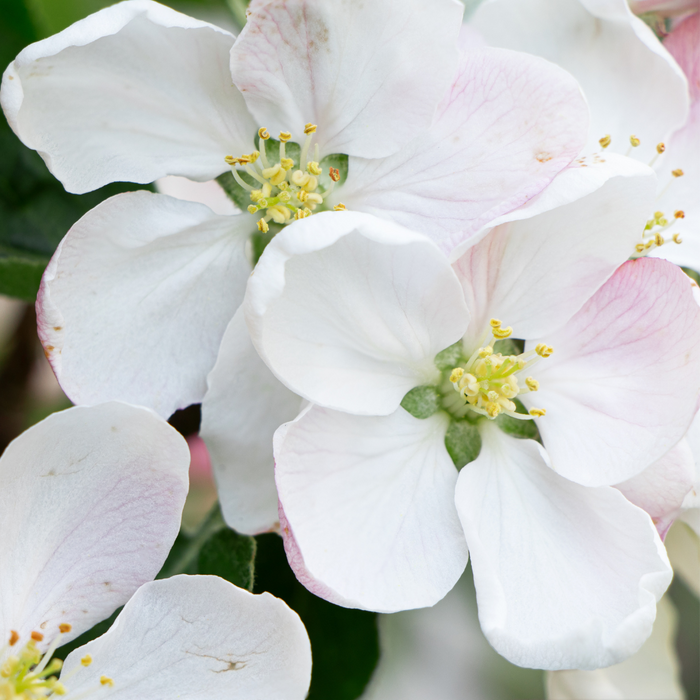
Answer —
369 75
369 518
133 92
566 576
621 387
136 298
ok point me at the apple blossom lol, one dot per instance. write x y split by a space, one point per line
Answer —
359 317
136 300
91 504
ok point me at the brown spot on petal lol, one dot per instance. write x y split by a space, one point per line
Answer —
543 157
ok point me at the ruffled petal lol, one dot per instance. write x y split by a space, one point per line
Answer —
369 75
535 273
653 673
349 311
369 520
243 407
506 127
622 385
195 637
133 92
135 301
90 505
631 82
566 576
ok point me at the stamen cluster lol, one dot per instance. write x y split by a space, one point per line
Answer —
488 381
288 191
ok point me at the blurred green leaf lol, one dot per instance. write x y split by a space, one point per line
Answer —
422 401
463 442
231 556
344 642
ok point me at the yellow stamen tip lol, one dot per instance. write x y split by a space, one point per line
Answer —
263 133
254 156
679 214
231 160
605 141
634 141
339 207
660 147
285 136
659 240
532 384
456 374
287 163
502 333
334 174
677 173
537 412
544 350
104 680
37 636
262 226
313 168
64 628
677 238
310 129
86 660
495 323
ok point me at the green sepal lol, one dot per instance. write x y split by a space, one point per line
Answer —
451 357
422 401
526 429
509 346
692 274
239 196
230 556
463 442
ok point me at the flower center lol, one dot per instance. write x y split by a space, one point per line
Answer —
29 675
488 382
288 190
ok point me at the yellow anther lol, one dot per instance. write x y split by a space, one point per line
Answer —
334 174
495 323
37 636
263 133
314 198
485 352
252 208
231 160
679 214
300 214
456 374
262 226
254 156
677 238
537 412
244 159
659 240
287 163
104 680
86 660
285 136
605 141
640 247
501 333
339 207
634 141
310 129
275 174
58 688
532 384
279 213
544 350
658 215
64 628
660 147
677 173
313 167
302 195
14 637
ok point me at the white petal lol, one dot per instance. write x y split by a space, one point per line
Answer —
661 488
90 505
196 638
349 311
243 407
535 273
370 75
133 92
621 387
566 576
507 126
209 193
370 519
631 82
653 673
137 297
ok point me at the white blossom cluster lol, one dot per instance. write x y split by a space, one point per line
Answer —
442 318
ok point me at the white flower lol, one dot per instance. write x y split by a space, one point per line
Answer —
136 300
90 505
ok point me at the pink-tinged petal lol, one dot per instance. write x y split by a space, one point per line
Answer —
622 385
653 673
90 505
241 410
683 153
135 301
369 520
631 82
370 75
535 273
133 92
197 637
661 488
665 8
566 576
506 127
349 310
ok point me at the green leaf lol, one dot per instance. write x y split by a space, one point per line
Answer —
239 196
231 556
692 274
463 442
422 401
20 274
449 358
526 429
345 642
